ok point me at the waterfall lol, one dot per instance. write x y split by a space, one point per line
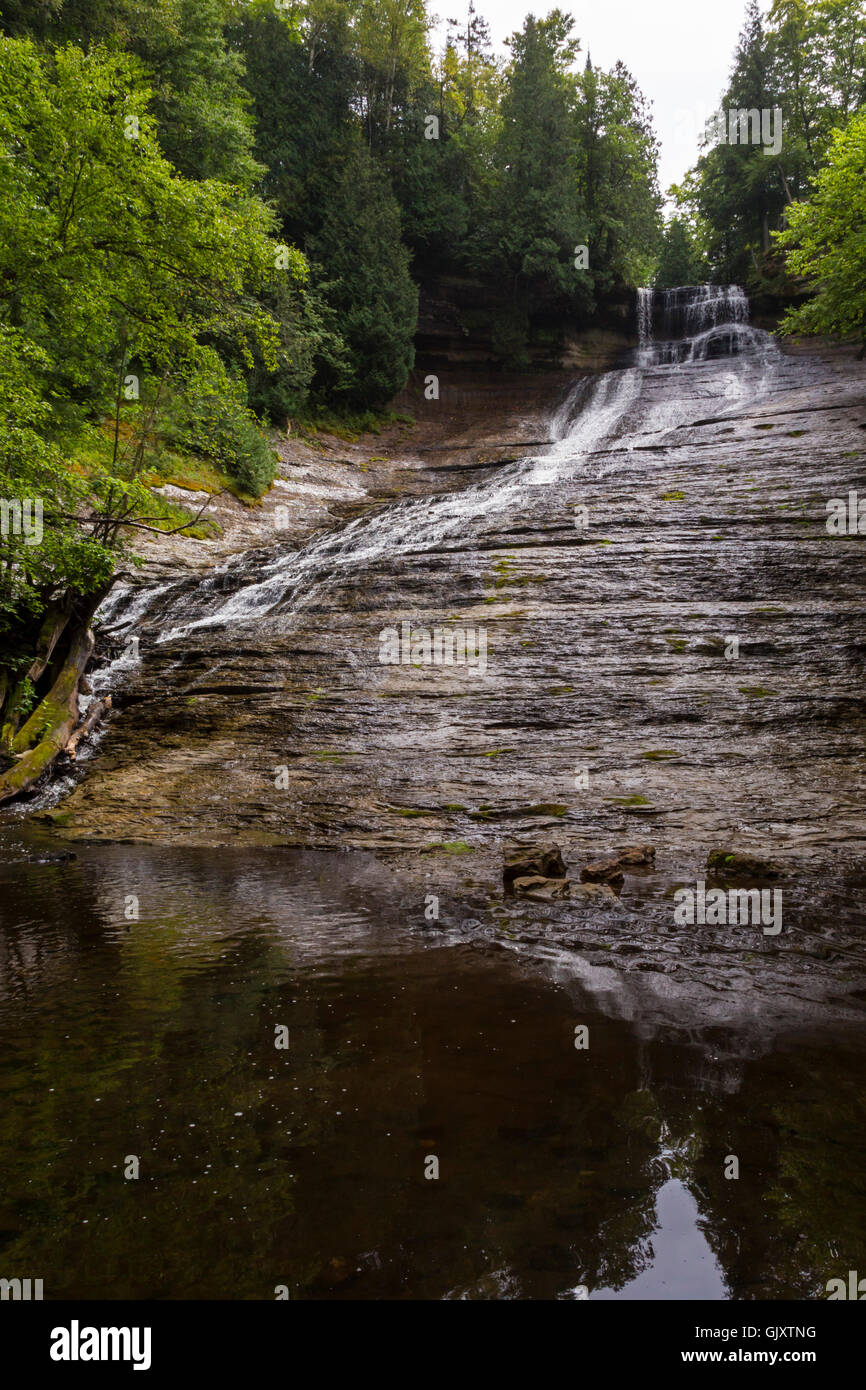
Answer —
697 323
685 328
645 315
694 323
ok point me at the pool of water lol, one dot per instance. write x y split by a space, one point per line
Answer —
142 992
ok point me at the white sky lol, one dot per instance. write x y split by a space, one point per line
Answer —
679 51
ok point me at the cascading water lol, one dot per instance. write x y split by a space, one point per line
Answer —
708 358
695 323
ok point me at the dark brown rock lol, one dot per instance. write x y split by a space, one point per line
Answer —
540 888
636 854
603 871
532 861
737 865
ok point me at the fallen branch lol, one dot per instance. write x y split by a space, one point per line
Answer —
88 724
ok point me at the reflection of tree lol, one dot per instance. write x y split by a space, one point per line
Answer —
163 1082
797 1215
626 1239
148 1041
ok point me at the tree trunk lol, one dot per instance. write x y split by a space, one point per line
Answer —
49 727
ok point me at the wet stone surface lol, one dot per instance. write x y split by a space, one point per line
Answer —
680 662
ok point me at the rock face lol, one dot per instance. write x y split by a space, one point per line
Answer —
675 657
532 863
458 317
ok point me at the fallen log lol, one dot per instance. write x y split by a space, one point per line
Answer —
49 727
88 724
56 619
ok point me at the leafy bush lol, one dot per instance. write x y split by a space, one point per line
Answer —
217 424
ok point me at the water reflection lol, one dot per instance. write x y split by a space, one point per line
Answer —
305 1167
681 1264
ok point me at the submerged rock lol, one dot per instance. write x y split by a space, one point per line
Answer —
611 870
636 854
723 861
548 890
603 871
541 888
597 893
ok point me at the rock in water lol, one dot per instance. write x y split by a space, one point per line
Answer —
549 890
540 888
603 871
532 862
636 854
723 861
593 893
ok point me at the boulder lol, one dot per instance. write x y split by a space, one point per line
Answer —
541 889
603 871
593 893
532 861
548 890
636 854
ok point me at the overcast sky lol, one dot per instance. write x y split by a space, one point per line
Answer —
679 51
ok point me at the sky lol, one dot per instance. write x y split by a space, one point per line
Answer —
679 51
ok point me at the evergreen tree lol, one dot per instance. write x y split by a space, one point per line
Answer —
678 261
360 249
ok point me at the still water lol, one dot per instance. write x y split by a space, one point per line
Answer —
560 1169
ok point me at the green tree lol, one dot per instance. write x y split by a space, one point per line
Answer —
679 263
369 285
618 170
197 94
395 57
825 241
114 272
808 59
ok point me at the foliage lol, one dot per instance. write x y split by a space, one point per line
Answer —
372 290
679 260
807 60
219 425
826 241
117 275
